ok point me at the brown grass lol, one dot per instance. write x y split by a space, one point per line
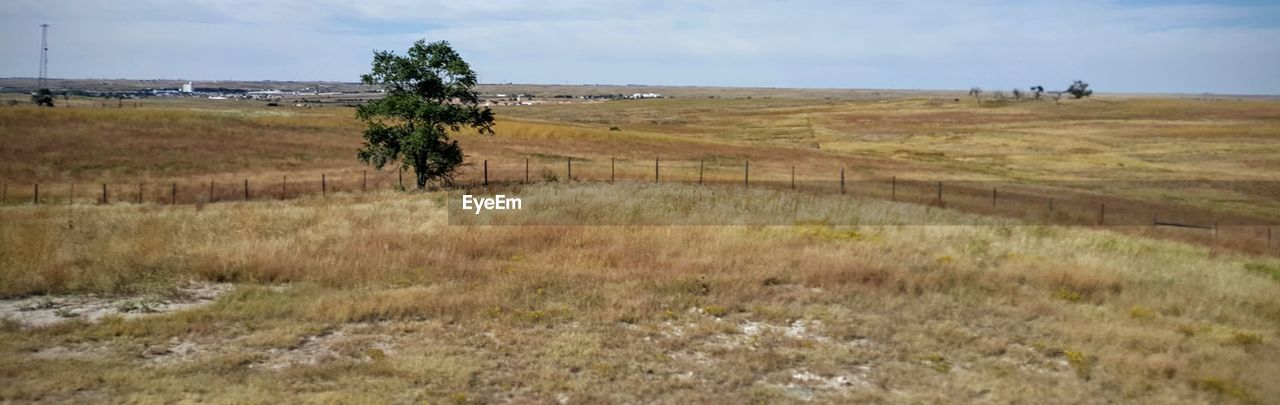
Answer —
625 313
375 297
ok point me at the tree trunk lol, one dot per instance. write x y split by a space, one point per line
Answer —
420 174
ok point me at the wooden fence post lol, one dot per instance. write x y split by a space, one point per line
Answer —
324 184
35 198
612 169
746 173
400 179
655 169
939 193
104 193
284 187
173 194
246 189
793 177
211 199
526 170
568 162
702 165
993 196
893 191
841 179
486 172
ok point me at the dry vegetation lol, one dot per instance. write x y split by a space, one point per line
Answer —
375 297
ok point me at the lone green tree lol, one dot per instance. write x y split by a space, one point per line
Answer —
428 93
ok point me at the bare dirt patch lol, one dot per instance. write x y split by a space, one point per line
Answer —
48 310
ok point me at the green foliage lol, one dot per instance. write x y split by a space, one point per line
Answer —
1260 268
429 92
43 98
1079 89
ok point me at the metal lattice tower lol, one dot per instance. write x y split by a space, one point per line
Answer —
43 82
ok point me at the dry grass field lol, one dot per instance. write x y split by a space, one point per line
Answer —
380 296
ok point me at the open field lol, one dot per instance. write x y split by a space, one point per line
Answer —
375 296
174 149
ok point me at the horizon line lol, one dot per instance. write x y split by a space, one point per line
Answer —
652 85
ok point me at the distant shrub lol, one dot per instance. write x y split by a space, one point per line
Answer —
1079 89
1037 91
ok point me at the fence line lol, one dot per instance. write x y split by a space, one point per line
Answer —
948 194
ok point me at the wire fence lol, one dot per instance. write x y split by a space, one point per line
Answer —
1055 203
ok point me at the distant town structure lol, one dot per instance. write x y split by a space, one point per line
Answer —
187 88
646 95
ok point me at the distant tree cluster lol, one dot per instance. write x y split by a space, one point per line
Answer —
1078 89
43 98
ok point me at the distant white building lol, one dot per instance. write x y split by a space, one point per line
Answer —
646 95
187 88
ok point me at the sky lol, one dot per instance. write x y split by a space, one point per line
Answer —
1229 47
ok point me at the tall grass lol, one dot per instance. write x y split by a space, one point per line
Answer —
963 295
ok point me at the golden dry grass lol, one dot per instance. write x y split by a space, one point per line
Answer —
380 300
360 297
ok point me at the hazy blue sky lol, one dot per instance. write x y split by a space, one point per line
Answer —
1130 46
